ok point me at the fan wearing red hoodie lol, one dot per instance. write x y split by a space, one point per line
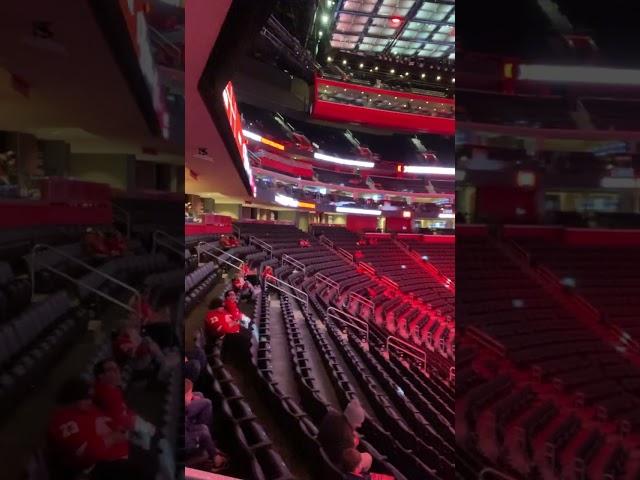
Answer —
82 437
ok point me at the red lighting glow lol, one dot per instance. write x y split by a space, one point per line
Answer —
396 21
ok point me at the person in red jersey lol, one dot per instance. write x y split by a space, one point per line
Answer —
95 244
218 322
303 242
83 439
267 272
115 243
109 397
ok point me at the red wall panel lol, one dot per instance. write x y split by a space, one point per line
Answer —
362 223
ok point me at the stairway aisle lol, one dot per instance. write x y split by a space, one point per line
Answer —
283 368
323 382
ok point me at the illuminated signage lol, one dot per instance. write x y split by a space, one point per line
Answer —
257 138
134 12
342 161
235 122
358 211
580 74
292 202
426 170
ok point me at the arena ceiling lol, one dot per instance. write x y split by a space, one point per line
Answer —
404 28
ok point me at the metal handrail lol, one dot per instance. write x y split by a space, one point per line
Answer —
407 348
368 268
279 285
325 241
206 249
161 238
296 263
261 244
357 298
42 247
495 472
127 218
323 278
352 321
345 254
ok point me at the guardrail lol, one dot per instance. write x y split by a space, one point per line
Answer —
350 320
357 298
407 348
386 280
367 268
295 263
486 471
260 244
163 239
324 279
325 241
345 254
294 292
44 247
204 248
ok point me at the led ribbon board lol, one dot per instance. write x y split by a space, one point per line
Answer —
292 202
426 170
235 122
358 211
343 161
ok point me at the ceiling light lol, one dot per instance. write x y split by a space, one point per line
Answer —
344 62
361 65
392 71
324 18
438 78
406 74
329 59
320 33
453 80
423 75
376 69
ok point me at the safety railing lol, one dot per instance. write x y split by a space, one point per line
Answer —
35 262
163 239
221 256
485 472
349 320
345 254
325 241
293 262
287 289
260 244
324 279
356 298
390 283
407 348
120 214
368 269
